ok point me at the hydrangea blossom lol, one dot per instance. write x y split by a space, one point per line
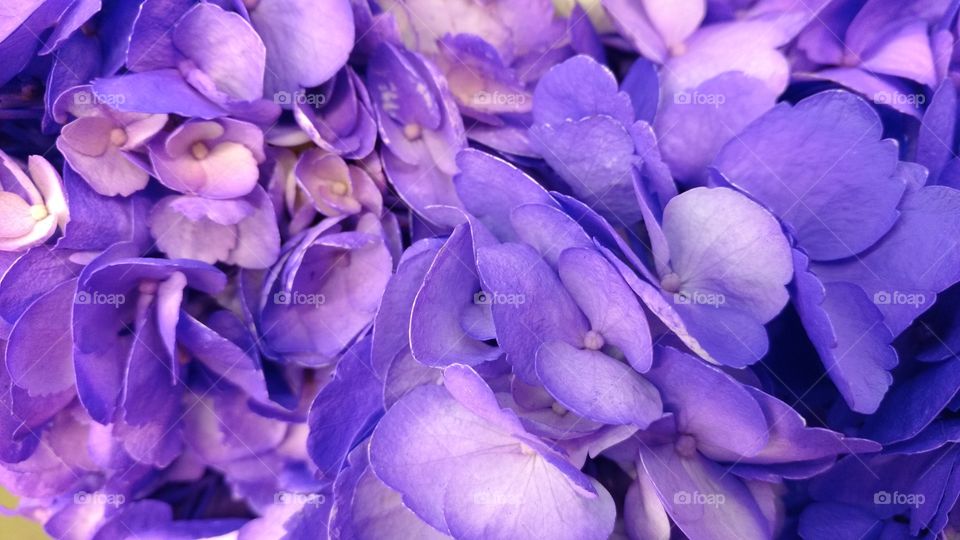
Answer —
512 269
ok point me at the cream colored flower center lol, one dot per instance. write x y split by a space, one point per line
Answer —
199 150
593 340
340 188
118 137
38 212
412 131
670 282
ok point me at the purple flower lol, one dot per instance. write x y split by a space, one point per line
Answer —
241 231
335 188
866 233
192 60
420 127
216 159
864 46
406 452
337 116
99 142
324 291
480 269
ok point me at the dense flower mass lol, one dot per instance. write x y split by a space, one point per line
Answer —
480 269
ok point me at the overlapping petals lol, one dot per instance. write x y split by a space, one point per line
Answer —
500 269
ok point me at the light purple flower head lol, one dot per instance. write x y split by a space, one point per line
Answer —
33 207
99 142
215 159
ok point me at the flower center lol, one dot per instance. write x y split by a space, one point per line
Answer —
678 49
412 131
593 340
199 150
526 450
118 137
339 188
38 212
670 282
686 445
558 408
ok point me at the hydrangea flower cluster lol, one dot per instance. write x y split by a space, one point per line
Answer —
481 269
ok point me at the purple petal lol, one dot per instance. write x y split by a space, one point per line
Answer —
535 307
832 182
343 411
595 157
438 333
151 43
744 46
317 318
597 387
745 259
729 426
936 138
39 350
848 333
914 262
225 48
491 188
160 91
913 403
697 122
239 231
227 348
576 89
32 275
642 84
701 498
307 42
548 230
468 483
609 304
364 507
150 405
391 328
